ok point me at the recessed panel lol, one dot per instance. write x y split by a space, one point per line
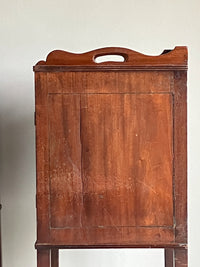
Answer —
127 160
111 160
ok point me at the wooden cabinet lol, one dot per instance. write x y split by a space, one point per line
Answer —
111 153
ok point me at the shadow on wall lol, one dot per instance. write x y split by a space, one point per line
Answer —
17 183
17 154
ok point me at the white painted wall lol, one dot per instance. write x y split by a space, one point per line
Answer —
28 31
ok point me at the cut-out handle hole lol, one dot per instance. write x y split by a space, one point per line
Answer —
109 58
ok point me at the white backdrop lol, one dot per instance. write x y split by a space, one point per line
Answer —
29 30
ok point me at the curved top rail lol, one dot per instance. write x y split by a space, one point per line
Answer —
176 58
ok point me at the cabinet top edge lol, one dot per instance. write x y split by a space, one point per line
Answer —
59 60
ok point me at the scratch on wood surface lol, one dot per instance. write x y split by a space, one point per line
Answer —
115 226
78 173
75 168
147 186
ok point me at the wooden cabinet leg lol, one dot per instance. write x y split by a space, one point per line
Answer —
169 257
176 257
54 258
43 258
181 258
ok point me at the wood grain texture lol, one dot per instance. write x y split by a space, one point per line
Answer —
65 161
176 257
181 258
111 151
110 82
169 257
180 155
112 170
119 178
42 158
113 236
174 59
63 245
54 257
125 181
43 258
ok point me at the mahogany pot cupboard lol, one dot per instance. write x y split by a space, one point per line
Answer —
111 153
